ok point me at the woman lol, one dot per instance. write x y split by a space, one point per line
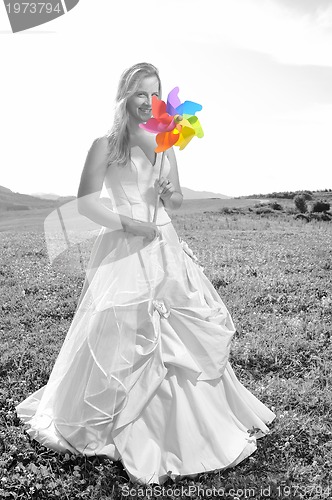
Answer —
143 375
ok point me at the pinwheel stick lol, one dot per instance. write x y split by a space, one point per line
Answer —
157 191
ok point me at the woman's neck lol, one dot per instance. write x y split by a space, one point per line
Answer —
136 136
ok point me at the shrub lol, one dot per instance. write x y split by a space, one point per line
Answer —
264 210
302 217
275 205
261 204
300 203
320 206
307 195
225 210
324 216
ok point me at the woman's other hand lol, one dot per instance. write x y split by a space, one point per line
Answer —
170 197
166 188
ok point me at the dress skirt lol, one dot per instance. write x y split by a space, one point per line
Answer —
143 375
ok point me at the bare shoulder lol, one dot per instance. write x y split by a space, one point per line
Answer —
99 146
95 168
97 154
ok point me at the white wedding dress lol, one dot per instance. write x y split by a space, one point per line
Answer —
143 375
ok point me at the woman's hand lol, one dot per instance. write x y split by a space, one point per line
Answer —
148 230
166 188
170 197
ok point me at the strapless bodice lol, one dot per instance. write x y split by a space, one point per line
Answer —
131 188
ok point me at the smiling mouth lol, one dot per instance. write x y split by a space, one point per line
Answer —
145 110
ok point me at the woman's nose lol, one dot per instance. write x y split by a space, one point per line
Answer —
147 102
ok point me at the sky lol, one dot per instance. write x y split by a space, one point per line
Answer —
262 71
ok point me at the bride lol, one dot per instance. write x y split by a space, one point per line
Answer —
143 375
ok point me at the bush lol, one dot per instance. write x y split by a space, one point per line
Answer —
233 210
264 210
300 203
261 204
320 216
307 195
320 206
225 210
302 217
275 205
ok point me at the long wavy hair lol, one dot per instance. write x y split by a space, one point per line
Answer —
118 135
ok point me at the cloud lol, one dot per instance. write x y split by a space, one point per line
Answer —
252 84
297 84
311 7
291 34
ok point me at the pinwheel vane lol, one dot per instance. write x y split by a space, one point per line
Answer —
174 123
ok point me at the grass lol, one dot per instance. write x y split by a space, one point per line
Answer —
274 274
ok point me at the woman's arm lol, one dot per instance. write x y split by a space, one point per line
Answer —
88 196
174 199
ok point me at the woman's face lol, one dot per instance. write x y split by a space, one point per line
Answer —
139 104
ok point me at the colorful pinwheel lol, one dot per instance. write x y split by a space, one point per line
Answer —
174 123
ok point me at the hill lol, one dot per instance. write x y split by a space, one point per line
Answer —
188 194
10 200
46 196
42 203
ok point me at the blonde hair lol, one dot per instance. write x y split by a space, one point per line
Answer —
118 136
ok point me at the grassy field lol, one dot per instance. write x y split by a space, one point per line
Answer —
273 273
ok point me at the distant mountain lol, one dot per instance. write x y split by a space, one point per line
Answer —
5 190
190 194
18 201
46 196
